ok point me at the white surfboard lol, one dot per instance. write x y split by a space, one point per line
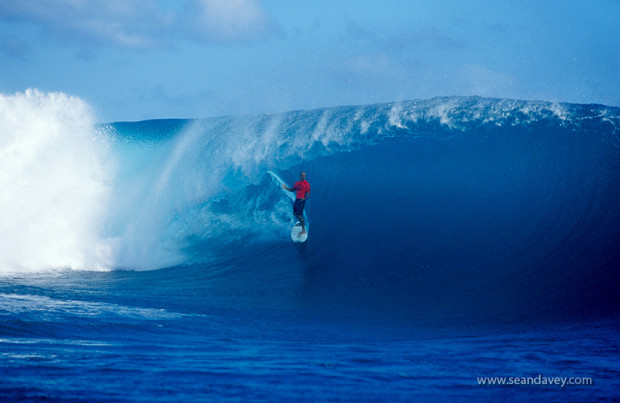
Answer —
295 233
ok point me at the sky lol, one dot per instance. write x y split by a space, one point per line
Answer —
148 59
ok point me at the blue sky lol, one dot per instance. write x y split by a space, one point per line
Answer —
145 59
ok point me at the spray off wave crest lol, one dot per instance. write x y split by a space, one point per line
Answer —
54 178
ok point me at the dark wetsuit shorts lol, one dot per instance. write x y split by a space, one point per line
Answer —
298 207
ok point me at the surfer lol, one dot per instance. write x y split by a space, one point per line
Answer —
303 192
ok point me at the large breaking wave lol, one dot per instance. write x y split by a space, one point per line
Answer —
432 206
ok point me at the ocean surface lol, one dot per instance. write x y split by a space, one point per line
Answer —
459 249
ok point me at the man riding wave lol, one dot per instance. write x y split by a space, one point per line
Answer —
302 187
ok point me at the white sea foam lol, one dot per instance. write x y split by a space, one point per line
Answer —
54 183
43 307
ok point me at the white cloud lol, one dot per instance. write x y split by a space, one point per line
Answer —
139 24
124 23
228 20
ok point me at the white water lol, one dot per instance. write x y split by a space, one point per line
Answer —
54 182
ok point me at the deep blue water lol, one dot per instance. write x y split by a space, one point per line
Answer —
449 239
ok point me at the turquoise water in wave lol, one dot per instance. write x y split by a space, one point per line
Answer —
452 240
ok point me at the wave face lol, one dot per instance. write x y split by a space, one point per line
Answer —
459 206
